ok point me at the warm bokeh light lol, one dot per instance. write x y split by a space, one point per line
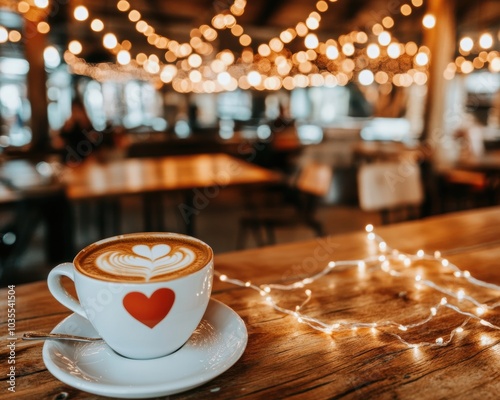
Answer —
195 60
134 15
195 76
495 65
381 77
254 78
227 57
388 22
224 78
311 41
51 57
361 37
23 7
421 59
466 44
411 48
123 57
332 52
200 65
312 23
276 45
264 50
123 5
348 49
486 40
15 36
168 73
429 21
41 3
366 77
81 13
4 35
373 51
109 41
217 66
467 67
245 40
43 27
394 50
377 29
141 58
237 30
322 6
210 34
384 38
288 35
301 29
75 47
141 26
406 10
97 25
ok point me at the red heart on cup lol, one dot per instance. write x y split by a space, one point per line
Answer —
149 310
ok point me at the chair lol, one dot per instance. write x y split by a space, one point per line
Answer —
294 204
393 188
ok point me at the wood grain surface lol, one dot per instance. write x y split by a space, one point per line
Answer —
285 359
93 179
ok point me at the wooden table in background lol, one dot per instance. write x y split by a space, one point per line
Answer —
285 359
199 177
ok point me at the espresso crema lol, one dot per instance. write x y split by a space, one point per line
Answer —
147 257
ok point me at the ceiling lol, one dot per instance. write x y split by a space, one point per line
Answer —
262 19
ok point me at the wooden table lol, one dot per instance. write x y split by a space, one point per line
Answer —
286 359
199 177
476 176
173 173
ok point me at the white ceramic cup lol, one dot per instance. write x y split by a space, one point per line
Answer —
140 320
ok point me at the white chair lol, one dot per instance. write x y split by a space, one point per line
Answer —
391 188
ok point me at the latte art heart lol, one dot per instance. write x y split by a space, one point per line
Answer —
145 261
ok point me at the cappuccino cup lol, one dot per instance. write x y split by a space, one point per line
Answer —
144 293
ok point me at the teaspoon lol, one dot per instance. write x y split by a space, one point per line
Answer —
57 336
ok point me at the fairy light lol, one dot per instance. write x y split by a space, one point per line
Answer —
41 3
81 13
289 74
388 262
429 21
466 44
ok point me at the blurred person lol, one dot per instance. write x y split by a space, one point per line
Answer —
79 136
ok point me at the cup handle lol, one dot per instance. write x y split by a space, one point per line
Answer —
61 294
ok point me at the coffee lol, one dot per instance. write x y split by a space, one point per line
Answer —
143 257
144 293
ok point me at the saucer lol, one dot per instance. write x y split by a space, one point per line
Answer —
218 342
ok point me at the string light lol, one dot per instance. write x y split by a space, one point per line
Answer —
389 262
336 61
289 74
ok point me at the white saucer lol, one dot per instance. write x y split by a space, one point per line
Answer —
217 343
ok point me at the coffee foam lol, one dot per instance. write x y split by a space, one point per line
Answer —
148 257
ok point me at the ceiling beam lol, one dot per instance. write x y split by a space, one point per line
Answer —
268 10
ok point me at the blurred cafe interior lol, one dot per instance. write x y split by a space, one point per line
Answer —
242 123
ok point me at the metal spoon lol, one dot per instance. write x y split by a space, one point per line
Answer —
57 336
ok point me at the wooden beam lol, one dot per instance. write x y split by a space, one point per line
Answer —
268 10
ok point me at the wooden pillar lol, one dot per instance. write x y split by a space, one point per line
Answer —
35 44
441 41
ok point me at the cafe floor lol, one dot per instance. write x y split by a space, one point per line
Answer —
217 224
